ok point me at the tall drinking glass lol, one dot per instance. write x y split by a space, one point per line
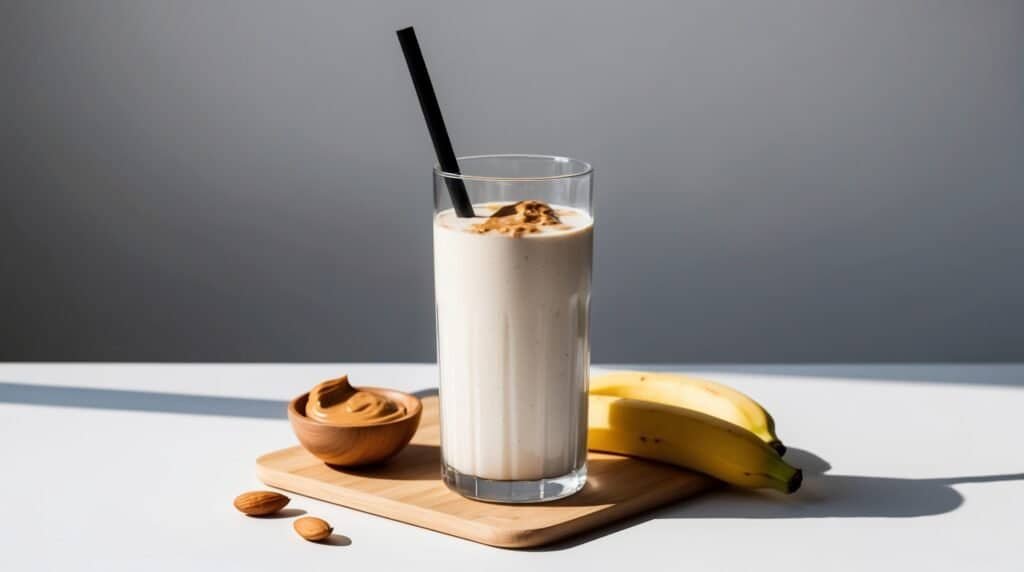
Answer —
512 291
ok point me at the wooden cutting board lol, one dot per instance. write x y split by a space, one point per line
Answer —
408 488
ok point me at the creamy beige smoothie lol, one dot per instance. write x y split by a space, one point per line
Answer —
513 299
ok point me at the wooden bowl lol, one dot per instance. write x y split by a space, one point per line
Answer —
348 446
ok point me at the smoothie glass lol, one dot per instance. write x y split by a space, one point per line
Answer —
513 336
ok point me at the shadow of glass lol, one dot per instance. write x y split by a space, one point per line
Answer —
606 474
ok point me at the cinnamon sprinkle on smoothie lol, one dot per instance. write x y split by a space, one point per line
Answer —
524 217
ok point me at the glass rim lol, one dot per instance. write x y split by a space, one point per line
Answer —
587 168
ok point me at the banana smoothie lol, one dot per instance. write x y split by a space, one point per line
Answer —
513 301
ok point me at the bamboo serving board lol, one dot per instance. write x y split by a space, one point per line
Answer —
408 488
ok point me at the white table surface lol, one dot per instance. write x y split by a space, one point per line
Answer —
134 466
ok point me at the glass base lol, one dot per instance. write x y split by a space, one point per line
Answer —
542 490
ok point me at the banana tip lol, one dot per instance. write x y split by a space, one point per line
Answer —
794 482
778 446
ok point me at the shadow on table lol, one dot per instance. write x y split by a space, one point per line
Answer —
822 496
151 401
1008 375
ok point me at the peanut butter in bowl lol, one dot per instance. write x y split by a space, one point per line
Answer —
347 426
338 403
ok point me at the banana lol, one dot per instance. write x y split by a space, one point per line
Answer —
689 439
702 395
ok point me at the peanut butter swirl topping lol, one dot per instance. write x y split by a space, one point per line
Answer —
336 401
524 217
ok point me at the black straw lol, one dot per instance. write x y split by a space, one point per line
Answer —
435 123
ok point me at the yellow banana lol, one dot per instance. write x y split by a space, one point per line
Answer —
689 439
702 395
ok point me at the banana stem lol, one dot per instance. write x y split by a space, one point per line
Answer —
795 481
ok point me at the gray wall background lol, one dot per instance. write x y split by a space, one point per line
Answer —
776 181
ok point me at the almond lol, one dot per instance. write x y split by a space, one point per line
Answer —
260 503
312 528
